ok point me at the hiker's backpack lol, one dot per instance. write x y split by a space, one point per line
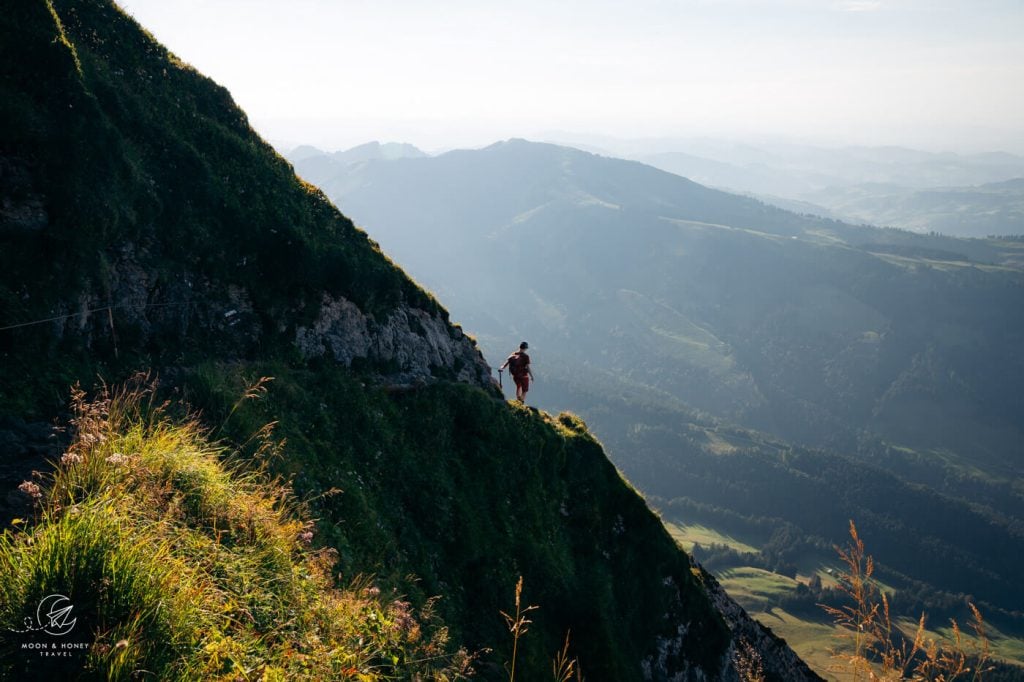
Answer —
517 364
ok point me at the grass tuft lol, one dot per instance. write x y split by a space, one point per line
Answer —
181 563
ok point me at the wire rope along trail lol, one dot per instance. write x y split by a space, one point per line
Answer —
86 312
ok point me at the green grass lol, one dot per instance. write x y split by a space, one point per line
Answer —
216 580
180 561
754 587
139 158
688 534
470 492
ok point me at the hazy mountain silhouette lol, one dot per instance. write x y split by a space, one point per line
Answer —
949 193
977 211
320 166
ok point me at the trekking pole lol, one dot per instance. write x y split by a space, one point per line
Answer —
499 379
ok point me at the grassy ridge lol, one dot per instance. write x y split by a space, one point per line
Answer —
470 493
182 564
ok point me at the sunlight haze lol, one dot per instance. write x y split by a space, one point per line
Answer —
936 75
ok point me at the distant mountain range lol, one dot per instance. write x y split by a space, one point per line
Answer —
978 211
686 323
320 166
955 194
794 169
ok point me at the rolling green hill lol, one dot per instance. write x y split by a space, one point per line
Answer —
144 226
755 370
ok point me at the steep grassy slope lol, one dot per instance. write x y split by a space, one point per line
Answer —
145 225
472 494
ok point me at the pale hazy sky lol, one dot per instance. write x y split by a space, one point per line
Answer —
933 74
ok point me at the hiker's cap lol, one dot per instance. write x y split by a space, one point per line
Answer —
524 345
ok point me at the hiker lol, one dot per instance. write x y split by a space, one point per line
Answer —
519 367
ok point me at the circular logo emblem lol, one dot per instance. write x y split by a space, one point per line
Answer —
54 615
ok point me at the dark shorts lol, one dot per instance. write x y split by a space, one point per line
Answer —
523 382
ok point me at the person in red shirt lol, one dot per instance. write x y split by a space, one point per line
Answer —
519 367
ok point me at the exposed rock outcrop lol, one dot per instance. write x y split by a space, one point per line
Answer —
770 652
417 342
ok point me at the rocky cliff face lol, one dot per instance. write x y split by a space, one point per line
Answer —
415 342
754 645
754 651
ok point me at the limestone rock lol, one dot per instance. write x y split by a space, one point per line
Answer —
417 343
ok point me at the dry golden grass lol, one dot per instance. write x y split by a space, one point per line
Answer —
876 649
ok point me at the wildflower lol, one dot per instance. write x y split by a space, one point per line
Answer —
306 537
116 458
69 458
402 613
31 489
